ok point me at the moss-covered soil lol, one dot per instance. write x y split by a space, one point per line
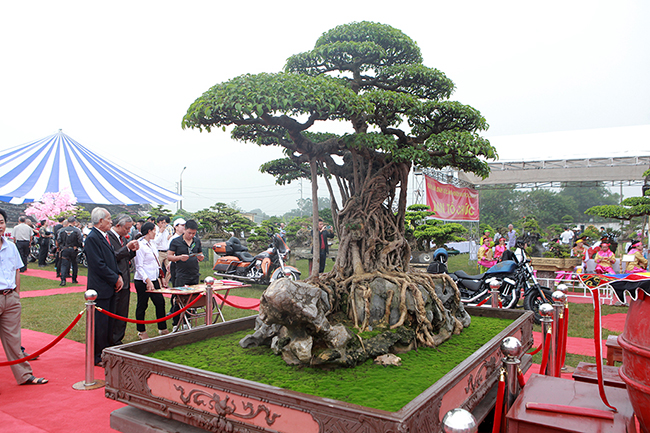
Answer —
370 385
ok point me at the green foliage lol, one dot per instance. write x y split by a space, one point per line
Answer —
439 233
630 207
558 250
160 211
221 220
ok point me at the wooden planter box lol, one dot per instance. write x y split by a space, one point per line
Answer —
175 393
553 264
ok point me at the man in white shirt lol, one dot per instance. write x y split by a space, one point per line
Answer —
10 308
23 234
164 233
567 236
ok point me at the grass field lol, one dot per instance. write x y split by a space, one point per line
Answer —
52 314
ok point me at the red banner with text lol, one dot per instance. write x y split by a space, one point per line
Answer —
451 203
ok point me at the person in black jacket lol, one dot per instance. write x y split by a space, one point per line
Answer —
124 253
103 277
70 240
324 232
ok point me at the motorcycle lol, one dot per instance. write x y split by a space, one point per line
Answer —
236 262
35 251
512 278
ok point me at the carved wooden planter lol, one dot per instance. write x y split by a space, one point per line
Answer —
554 265
220 403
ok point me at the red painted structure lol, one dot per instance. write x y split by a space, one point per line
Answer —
635 342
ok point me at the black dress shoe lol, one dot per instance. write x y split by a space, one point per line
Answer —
75 282
62 283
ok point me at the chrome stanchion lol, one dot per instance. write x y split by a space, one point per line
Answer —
90 382
511 350
459 421
558 315
209 282
546 311
495 285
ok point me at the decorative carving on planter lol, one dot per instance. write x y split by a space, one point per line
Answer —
225 406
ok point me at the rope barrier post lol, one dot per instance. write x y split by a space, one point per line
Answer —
546 311
511 349
565 331
495 285
459 421
90 382
558 318
209 282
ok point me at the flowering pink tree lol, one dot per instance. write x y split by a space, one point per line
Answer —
51 206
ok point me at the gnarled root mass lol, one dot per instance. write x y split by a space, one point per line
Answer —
429 304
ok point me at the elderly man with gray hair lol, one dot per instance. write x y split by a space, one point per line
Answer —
103 277
124 252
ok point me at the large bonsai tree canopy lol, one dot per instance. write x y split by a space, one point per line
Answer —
371 77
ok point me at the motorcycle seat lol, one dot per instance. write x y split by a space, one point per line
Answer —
464 276
244 256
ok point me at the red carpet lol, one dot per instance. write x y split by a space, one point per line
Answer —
51 275
54 407
576 345
614 322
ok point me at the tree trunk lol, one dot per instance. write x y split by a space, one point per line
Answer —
315 234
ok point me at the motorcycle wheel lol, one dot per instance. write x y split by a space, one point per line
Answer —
534 299
81 259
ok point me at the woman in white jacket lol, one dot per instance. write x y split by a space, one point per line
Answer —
147 272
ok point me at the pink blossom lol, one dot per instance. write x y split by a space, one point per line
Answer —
51 206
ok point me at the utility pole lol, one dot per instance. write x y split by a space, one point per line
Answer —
180 187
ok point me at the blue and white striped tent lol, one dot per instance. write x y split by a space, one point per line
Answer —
58 163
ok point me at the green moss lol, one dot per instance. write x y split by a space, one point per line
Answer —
385 388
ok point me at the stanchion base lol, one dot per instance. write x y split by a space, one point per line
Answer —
81 386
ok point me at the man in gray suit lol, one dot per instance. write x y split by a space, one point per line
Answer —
124 253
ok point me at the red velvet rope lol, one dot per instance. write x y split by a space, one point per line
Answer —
595 293
500 304
49 346
558 350
482 302
520 377
148 322
534 352
498 409
565 333
221 298
547 344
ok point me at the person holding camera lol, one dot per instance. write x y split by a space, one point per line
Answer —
324 232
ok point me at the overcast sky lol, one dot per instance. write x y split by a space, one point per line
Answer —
119 76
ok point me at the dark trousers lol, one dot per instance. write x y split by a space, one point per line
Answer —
103 327
23 250
43 252
323 259
69 258
143 303
122 299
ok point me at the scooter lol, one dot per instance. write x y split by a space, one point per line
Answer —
237 263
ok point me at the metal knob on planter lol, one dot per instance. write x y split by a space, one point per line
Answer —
459 421
90 295
511 347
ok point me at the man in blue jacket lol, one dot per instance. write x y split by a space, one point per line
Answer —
103 277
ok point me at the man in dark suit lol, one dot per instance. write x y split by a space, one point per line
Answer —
124 253
103 277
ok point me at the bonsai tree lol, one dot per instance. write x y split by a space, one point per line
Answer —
371 77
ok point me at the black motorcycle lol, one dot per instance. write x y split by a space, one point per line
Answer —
512 278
